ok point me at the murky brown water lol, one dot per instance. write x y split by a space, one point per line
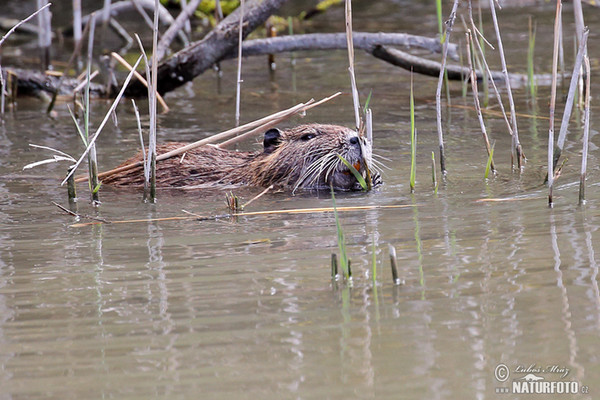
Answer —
245 308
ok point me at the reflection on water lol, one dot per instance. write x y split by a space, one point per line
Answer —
245 308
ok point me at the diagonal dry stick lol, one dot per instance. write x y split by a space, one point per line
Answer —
254 213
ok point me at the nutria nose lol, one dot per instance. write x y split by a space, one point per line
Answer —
354 140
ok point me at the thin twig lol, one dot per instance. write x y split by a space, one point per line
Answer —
256 213
553 103
258 196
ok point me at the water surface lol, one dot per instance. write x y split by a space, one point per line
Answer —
245 307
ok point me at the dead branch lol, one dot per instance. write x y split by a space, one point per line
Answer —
193 60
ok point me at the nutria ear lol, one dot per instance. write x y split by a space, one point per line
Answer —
272 140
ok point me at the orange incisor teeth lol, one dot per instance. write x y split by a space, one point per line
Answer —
357 165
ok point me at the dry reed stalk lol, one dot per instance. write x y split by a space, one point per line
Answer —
152 106
562 135
238 93
586 131
476 98
276 121
394 265
517 151
124 63
553 103
350 42
255 213
258 196
141 136
92 159
438 93
299 108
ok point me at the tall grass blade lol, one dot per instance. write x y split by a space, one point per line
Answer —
413 138
341 240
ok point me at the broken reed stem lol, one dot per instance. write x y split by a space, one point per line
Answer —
476 99
394 265
562 135
152 106
124 63
350 42
586 130
238 94
71 189
141 135
553 102
93 181
517 151
438 92
433 173
334 266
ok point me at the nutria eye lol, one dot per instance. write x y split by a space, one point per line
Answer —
308 136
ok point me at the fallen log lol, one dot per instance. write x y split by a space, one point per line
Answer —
199 56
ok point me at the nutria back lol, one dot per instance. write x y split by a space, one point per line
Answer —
302 157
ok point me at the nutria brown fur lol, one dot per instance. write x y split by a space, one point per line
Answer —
302 157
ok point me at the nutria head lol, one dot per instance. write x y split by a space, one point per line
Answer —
307 157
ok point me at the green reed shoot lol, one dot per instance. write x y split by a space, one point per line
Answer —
373 261
488 166
365 186
341 240
366 107
530 53
334 265
413 139
433 174
438 9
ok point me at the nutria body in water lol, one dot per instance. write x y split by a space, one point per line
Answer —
302 157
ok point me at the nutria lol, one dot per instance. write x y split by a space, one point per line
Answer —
302 157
